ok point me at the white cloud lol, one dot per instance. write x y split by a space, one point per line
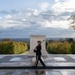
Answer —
21 20
61 24
28 13
44 22
33 18
35 12
0 17
57 0
44 5
8 16
55 24
66 6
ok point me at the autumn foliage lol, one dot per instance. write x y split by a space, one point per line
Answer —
12 47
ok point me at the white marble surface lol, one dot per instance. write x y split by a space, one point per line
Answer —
16 59
59 59
1 56
33 44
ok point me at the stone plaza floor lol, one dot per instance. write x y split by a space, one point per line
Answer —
24 60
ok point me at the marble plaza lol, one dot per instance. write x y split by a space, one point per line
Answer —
24 60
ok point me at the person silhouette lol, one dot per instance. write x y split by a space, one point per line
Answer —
38 52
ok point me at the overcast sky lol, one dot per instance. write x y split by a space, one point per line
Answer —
22 18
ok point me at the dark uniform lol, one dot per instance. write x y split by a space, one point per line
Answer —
38 55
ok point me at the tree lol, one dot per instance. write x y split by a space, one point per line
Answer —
69 40
61 40
7 39
72 21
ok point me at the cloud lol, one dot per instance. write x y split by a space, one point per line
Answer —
34 18
0 17
8 16
3 12
45 19
52 22
57 0
20 20
66 6
44 5
13 11
49 32
55 24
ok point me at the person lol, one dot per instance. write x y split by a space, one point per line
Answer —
37 50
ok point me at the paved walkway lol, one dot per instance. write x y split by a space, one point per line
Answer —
24 60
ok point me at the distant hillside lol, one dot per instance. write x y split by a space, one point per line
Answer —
27 40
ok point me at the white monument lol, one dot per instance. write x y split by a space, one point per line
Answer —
33 44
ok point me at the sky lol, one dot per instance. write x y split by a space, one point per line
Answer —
22 18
